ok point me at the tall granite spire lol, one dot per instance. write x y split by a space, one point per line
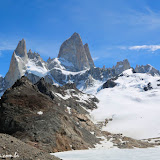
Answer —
90 60
75 52
17 64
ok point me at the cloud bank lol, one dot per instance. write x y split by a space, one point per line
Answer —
148 47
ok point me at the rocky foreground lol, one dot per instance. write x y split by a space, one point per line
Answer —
13 148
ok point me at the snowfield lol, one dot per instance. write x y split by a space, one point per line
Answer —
111 154
36 70
133 111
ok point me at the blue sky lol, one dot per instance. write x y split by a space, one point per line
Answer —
114 29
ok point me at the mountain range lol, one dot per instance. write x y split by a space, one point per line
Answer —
67 103
73 64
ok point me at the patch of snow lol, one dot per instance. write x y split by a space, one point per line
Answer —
69 110
104 143
63 97
93 89
120 66
40 113
65 62
128 72
36 70
111 154
73 73
57 63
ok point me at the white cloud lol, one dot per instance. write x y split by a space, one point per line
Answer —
95 58
148 47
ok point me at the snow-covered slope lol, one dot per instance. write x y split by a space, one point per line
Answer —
111 154
131 110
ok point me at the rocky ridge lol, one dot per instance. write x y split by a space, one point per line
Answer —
147 69
48 117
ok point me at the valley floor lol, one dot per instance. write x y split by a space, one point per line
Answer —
111 154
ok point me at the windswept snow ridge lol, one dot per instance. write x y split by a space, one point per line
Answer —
133 111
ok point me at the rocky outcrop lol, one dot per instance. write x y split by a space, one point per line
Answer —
17 65
121 66
47 117
74 51
109 84
148 87
147 69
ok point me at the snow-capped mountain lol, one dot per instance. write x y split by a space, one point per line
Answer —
74 64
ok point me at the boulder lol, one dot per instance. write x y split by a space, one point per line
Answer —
109 84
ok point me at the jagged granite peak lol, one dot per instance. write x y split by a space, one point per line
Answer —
147 69
16 70
91 63
73 51
122 66
17 65
21 50
49 59
33 55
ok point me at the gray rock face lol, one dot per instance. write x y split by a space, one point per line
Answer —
147 69
90 60
17 65
74 51
89 82
21 50
122 66
1 86
1 82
